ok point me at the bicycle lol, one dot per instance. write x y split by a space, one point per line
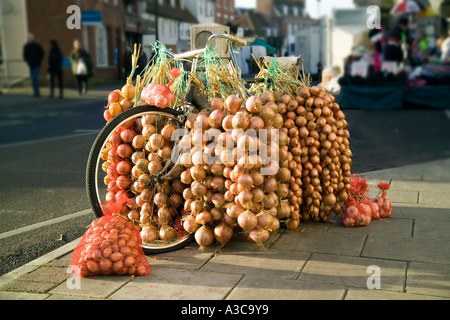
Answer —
177 117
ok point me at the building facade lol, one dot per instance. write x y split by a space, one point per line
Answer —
225 11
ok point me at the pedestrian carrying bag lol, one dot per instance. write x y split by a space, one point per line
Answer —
82 68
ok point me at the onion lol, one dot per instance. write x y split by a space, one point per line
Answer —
246 181
196 206
259 235
244 198
203 217
257 195
267 96
266 113
138 142
256 123
149 234
247 220
215 118
127 135
283 175
265 220
204 236
166 233
253 104
270 185
128 91
197 173
240 121
292 224
216 104
216 213
227 122
198 189
258 178
223 233
167 131
156 141
233 103
235 210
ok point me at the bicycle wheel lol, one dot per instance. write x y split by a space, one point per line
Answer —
135 177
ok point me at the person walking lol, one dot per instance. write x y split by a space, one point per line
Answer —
33 55
55 61
81 66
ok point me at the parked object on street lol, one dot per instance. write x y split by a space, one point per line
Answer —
33 55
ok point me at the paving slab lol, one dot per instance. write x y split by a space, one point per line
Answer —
407 249
10 295
178 284
92 287
354 271
421 213
190 257
434 194
428 279
376 294
265 288
339 243
28 286
431 229
267 263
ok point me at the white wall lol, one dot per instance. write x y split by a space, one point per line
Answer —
13 36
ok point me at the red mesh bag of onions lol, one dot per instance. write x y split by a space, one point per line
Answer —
111 245
384 205
356 214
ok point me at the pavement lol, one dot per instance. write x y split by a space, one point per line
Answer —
18 97
403 257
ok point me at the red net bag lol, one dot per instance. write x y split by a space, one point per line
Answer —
356 214
384 205
157 95
111 245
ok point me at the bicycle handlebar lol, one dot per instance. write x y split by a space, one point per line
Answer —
194 53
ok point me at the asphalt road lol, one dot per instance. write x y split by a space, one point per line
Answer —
44 150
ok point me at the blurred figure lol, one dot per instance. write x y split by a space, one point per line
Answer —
141 64
81 66
377 42
126 62
445 49
393 50
33 55
330 79
55 60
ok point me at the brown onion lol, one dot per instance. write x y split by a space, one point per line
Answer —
204 236
247 220
223 233
233 103
265 220
215 118
253 104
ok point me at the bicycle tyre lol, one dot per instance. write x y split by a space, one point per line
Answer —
93 164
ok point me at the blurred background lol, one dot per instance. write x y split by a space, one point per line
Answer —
342 43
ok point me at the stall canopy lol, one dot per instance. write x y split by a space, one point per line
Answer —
261 42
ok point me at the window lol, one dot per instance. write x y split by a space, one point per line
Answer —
101 46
